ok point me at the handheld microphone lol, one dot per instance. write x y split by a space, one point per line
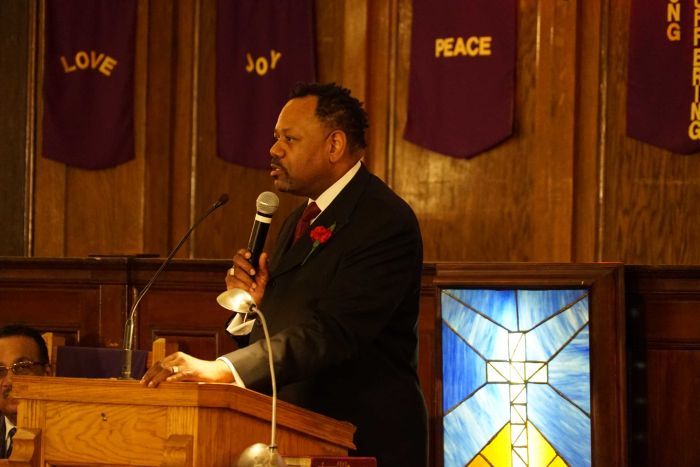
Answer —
266 205
129 325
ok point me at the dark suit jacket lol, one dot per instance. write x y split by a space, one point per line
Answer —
343 322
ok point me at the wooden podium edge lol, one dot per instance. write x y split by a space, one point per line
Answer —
184 394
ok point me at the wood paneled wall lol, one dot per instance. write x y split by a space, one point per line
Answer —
651 197
567 186
664 373
16 81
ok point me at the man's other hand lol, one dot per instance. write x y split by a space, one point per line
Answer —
182 367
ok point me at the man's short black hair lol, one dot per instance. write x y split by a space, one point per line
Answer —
22 330
336 108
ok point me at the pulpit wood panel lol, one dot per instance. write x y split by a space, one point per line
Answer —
107 422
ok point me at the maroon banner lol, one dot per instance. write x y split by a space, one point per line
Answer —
462 76
663 82
89 82
263 48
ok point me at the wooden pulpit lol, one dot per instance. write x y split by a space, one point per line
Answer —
76 421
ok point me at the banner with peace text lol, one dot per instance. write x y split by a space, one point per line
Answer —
263 48
462 76
88 119
663 74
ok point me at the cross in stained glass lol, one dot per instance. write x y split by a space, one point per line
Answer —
516 385
517 372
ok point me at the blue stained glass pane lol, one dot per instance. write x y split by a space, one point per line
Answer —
569 372
474 422
535 306
545 340
499 305
463 371
487 338
562 424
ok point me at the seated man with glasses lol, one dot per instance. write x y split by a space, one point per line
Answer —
22 352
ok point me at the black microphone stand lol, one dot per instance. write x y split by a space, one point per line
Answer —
129 325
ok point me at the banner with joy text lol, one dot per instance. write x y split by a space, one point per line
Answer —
88 117
263 48
462 75
663 82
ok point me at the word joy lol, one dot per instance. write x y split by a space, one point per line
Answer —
261 64
92 60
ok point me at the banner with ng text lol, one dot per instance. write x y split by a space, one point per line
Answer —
462 75
263 48
663 74
88 119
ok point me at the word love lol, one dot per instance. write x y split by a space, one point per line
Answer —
92 60
261 64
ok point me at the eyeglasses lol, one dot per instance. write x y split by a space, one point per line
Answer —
20 368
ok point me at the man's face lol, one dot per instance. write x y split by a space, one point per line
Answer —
300 162
15 349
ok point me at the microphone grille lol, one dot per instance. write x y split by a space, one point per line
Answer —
267 203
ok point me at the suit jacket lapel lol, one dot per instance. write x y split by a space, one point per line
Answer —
338 213
3 441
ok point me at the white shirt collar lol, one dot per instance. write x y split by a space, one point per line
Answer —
8 426
327 197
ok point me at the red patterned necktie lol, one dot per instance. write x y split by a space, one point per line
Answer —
311 211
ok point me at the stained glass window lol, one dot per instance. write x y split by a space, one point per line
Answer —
516 378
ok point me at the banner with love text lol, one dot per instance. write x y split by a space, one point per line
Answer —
663 74
462 75
88 117
263 48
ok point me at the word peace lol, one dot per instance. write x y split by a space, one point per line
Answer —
465 46
260 64
100 62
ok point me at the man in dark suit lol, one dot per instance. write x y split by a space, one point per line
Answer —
22 352
341 300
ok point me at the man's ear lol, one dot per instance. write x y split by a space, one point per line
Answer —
337 142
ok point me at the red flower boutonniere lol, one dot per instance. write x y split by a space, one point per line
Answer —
319 235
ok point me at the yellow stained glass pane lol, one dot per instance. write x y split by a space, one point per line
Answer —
540 451
478 461
558 462
498 450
